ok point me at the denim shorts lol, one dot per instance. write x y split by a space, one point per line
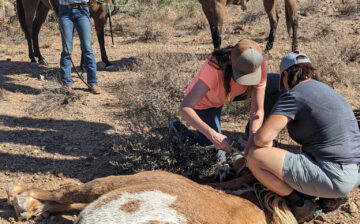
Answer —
320 178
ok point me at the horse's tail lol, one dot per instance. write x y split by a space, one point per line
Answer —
278 209
21 14
287 16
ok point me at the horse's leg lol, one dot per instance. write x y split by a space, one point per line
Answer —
30 8
218 20
39 20
291 18
98 13
270 9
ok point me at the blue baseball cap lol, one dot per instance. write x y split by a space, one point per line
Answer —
291 59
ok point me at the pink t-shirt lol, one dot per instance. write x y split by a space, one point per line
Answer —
214 79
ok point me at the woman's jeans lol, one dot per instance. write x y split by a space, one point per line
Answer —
211 116
80 19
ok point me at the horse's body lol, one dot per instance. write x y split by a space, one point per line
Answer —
146 197
215 13
32 15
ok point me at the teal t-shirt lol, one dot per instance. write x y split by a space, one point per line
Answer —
322 121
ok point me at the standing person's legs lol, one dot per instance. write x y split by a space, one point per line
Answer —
67 26
83 27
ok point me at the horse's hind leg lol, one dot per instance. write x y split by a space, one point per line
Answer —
30 11
292 20
27 207
208 9
270 8
39 20
218 20
98 13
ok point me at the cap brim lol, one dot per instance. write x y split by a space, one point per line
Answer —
248 79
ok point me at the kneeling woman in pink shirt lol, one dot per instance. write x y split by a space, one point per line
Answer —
228 73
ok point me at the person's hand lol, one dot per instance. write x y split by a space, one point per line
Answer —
220 142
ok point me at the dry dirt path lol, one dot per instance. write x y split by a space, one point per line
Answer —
49 139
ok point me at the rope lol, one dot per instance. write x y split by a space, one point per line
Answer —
116 5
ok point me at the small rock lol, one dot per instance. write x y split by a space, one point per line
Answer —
353 208
41 77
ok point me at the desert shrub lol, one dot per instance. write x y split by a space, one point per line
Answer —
349 7
154 32
151 100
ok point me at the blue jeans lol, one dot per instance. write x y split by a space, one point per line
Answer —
80 18
211 116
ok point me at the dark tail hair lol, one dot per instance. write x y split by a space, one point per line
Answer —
287 17
21 15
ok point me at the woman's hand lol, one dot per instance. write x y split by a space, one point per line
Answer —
220 142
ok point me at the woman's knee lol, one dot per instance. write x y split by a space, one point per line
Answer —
253 158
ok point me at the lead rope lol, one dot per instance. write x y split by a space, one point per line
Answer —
110 23
67 49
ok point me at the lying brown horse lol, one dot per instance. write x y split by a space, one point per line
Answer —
146 197
32 15
215 11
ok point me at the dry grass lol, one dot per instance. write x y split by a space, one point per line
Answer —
52 98
151 100
349 7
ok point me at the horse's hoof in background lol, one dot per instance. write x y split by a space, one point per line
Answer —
43 62
109 67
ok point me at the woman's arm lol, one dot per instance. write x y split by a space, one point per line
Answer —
268 132
187 112
256 114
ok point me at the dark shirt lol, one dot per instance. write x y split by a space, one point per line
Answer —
322 121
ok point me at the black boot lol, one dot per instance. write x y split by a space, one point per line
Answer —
307 212
302 206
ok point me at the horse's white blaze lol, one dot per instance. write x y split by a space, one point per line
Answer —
153 206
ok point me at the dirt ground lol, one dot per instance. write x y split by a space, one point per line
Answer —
50 139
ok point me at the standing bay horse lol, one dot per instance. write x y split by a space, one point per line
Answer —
32 15
215 13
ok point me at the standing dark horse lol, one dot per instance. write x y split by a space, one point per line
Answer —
215 13
32 14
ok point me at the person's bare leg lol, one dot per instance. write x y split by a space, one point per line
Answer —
266 164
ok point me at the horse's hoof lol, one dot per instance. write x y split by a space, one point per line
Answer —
27 207
9 188
12 191
43 62
33 63
109 67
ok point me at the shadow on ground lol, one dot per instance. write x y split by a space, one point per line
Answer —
10 69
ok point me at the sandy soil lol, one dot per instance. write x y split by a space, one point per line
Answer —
49 139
